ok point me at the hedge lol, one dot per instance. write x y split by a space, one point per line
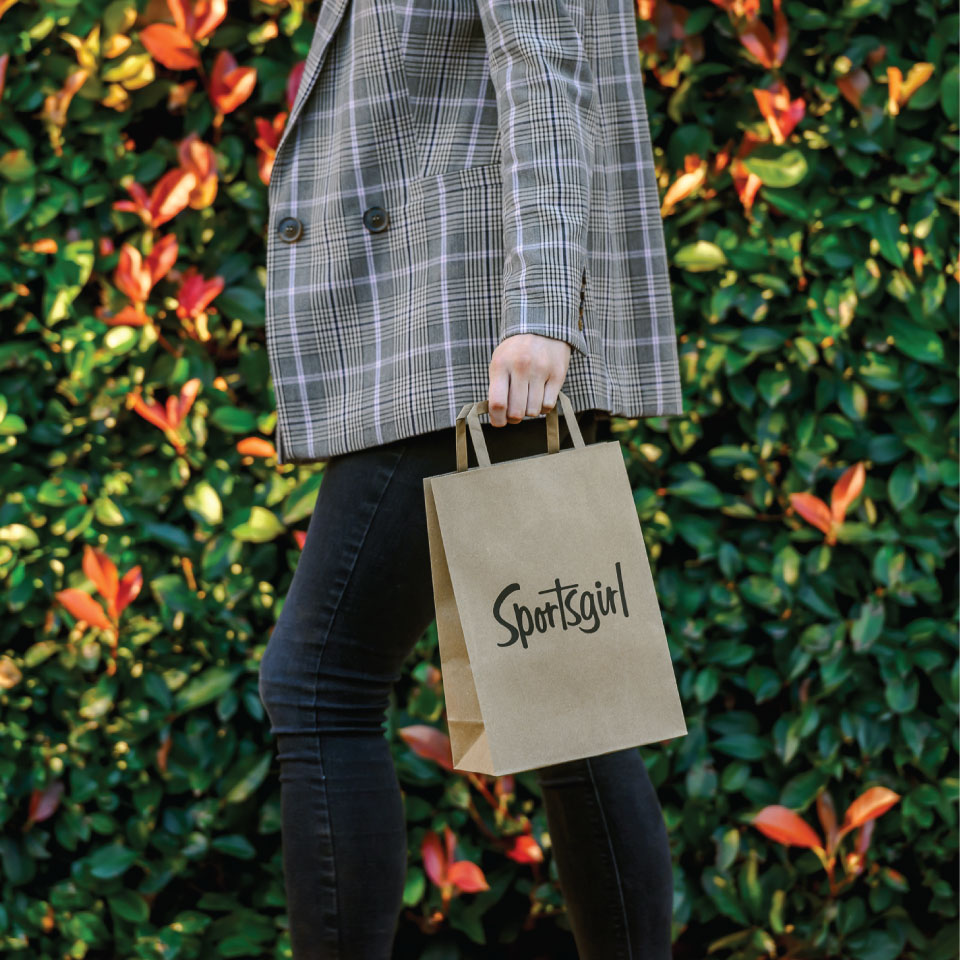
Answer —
801 518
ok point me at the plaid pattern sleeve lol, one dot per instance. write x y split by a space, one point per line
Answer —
547 109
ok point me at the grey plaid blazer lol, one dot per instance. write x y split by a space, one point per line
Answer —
452 173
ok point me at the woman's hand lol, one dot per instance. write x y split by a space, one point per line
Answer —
526 374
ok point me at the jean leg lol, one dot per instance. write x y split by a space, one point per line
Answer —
613 855
360 598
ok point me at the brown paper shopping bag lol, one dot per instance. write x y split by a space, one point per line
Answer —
552 645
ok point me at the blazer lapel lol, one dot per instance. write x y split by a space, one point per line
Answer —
328 19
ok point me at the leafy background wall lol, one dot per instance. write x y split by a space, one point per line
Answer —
801 519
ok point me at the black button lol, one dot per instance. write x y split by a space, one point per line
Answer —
290 229
375 219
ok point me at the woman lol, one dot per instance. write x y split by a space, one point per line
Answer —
462 205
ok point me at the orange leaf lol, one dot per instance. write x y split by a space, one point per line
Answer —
230 85
162 257
894 80
813 510
171 194
153 413
129 587
685 184
131 275
917 76
102 571
869 805
854 85
428 742
846 490
525 849
467 876
83 607
783 825
202 20
170 46
256 447
188 393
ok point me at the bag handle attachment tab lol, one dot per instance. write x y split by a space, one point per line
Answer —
469 416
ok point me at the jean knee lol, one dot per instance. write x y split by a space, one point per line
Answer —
325 697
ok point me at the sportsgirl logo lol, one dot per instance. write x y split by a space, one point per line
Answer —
572 608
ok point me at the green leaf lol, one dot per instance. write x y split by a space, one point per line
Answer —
208 686
700 256
235 845
950 93
233 420
205 501
246 777
777 167
883 224
699 492
302 500
243 303
255 525
129 905
15 200
111 861
414 886
743 746
916 342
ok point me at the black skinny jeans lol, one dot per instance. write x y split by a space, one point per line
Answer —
360 599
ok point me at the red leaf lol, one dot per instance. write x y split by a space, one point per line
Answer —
869 805
467 876
525 849
783 825
828 818
434 861
293 82
83 607
863 837
44 803
428 742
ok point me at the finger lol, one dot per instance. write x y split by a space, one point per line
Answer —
517 399
551 389
497 395
534 396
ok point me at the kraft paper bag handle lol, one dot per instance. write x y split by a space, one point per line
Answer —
471 412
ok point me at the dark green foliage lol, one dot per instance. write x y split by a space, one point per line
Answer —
818 325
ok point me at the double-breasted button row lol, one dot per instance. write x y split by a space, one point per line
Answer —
375 219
